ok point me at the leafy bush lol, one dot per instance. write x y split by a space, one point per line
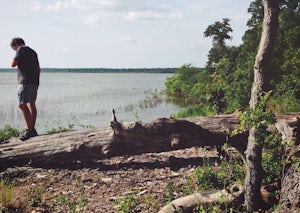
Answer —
208 177
273 158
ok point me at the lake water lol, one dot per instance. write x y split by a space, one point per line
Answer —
86 99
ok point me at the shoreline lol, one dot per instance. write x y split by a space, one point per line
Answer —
100 70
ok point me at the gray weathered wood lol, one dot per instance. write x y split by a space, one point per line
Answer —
126 138
129 139
188 203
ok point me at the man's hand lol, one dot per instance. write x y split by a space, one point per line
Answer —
14 63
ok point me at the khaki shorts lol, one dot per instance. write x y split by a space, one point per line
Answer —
27 93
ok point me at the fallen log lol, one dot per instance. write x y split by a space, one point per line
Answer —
128 138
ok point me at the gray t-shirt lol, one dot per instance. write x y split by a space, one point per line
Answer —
28 65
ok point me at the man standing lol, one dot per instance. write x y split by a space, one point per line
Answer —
28 78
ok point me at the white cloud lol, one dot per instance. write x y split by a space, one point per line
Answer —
91 19
76 4
57 6
242 16
61 50
91 4
145 8
193 44
36 5
152 15
108 43
133 9
4 44
129 39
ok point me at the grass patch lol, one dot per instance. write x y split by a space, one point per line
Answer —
8 132
70 127
126 204
36 196
7 193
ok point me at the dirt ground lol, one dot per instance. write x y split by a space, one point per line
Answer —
102 185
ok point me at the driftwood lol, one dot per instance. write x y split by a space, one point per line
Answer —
188 203
132 138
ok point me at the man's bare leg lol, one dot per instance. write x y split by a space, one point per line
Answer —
26 114
33 113
29 112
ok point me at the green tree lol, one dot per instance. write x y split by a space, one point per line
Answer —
285 59
219 32
225 83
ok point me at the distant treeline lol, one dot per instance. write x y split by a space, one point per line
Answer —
103 70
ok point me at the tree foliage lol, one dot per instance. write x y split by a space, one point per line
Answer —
224 85
219 31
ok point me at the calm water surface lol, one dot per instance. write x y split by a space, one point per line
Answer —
86 99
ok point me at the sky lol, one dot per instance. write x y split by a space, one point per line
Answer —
117 33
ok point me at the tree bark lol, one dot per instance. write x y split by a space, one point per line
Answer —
290 183
253 153
290 190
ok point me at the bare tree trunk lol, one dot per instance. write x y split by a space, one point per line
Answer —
253 153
